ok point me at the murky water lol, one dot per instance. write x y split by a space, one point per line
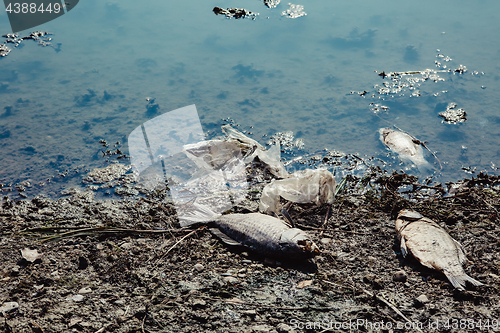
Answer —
313 75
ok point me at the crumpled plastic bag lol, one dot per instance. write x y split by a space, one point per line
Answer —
305 186
271 157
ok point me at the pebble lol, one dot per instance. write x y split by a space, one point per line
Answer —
199 267
230 280
8 307
400 276
284 328
76 298
246 261
326 241
421 300
14 271
85 290
126 246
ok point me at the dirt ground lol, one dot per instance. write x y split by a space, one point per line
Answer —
126 266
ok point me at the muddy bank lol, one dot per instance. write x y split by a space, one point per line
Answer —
125 265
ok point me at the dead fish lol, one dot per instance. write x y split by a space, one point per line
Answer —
266 235
432 247
405 146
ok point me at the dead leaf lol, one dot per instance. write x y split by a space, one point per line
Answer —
30 255
303 284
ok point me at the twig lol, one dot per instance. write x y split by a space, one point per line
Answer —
178 242
91 231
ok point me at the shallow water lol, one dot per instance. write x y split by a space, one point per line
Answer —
273 73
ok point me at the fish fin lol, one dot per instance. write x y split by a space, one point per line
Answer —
223 237
288 217
404 250
461 252
459 281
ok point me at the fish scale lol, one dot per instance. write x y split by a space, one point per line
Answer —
432 247
266 235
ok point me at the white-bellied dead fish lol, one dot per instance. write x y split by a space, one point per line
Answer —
432 247
406 147
264 234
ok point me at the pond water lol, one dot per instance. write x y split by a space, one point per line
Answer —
315 75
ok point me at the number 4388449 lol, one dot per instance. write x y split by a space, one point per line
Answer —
32 8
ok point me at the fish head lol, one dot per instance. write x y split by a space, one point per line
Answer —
383 133
296 242
405 217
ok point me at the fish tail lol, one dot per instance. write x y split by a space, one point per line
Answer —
458 281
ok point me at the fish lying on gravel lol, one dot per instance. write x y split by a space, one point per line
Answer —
432 247
264 234
405 146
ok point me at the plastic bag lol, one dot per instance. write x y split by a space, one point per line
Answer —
305 186
271 158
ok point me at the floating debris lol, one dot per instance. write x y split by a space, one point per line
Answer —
294 11
452 115
432 247
406 146
4 50
377 108
16 40
271 3
235 13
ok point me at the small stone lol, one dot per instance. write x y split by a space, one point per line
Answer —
198 303
199 267
126 246
76 298
250 313
261 328
230 280
400 276
284 328
325 241
30 255
100 246
8 307
421 300
85 290
14 271
246 261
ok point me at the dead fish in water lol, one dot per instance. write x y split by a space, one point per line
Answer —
266 235
405 146
432 247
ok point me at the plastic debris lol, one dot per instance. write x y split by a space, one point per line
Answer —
305 186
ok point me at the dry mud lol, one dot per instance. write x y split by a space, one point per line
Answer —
141 273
